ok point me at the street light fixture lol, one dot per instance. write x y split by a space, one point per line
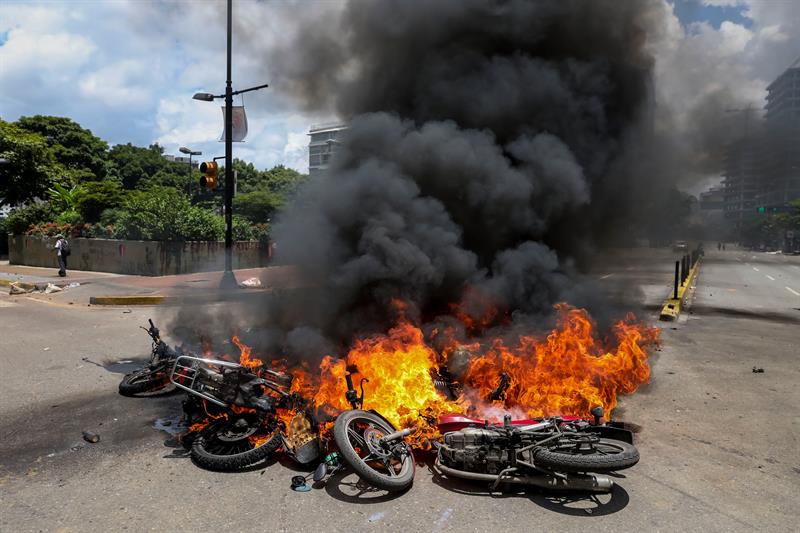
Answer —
228 279
190 153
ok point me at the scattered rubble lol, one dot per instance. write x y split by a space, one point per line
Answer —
251 283
93 438
758 370
52 288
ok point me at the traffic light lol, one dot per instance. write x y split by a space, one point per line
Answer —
209 178
761 209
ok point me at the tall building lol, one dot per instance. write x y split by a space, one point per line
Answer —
742 182
762 169
325 140
781 164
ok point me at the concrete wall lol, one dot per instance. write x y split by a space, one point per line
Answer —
143 258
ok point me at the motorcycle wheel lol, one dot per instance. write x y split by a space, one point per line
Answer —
356 434
226 445
587 455
141 381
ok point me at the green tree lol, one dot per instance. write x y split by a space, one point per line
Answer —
30 167
283 180
248 179
76 148
96 197
130 164
257 206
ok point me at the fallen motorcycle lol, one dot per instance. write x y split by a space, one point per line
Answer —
555 453
244 414
154 376
371 446
249 413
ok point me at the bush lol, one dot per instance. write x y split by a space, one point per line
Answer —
98 196
257 206
72 218
23 218
243 230
163 213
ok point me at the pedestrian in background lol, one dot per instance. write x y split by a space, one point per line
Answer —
62 252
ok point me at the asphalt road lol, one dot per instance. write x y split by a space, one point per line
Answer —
719 443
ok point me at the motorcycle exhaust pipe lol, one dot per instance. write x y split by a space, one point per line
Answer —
578 482
397 435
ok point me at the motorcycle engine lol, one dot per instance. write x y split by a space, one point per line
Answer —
479 450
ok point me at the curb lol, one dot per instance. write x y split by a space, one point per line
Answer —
672 306
23 284
127 300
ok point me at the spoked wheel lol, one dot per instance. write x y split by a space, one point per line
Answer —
587 453
143 380
234 444
385 466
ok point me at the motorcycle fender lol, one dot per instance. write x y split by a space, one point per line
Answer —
376 413
608 432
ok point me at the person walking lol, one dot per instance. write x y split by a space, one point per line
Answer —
62 252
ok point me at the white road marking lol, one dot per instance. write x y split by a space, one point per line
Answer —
607 276
770 277
792 291
757 270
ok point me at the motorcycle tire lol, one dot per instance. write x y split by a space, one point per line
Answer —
345 423
618 455
142 381
207 451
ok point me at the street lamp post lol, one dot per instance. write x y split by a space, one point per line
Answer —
190 153
228 279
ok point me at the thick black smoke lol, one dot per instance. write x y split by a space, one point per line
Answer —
491 146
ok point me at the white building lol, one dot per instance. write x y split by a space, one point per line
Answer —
325 139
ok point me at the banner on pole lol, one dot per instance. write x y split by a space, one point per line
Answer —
239 126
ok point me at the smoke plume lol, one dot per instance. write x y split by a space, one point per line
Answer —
492 147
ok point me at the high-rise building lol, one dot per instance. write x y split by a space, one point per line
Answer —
742 181
325 140
781 156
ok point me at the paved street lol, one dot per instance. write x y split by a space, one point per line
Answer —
719 443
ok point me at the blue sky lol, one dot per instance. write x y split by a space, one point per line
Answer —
126 69
689 11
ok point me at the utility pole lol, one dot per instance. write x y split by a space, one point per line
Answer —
228 279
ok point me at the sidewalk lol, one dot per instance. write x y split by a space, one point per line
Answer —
117 289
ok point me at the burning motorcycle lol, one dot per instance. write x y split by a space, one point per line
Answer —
371 446
555 453
155 375
251 415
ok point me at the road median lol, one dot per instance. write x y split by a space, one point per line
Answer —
673 305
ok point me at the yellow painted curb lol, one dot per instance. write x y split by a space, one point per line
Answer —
23 284
672 306
145 299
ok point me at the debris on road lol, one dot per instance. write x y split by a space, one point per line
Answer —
251 283
52 288
93 438
758 370
16 288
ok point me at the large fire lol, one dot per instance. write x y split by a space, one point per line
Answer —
566 372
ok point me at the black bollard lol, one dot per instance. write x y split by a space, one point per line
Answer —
677 273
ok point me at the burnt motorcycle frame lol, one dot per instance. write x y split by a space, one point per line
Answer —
524 439
208 379
155 374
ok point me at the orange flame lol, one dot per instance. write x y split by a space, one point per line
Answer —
568 372
244 357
